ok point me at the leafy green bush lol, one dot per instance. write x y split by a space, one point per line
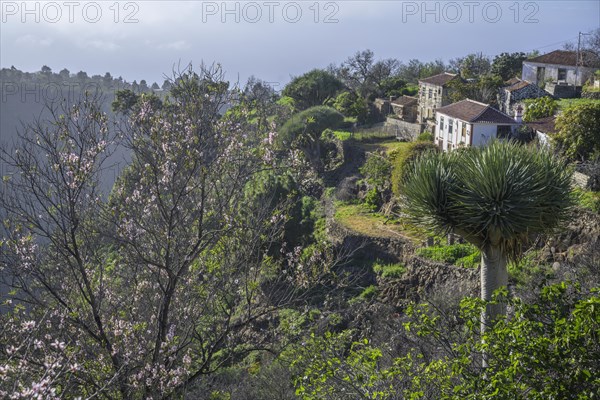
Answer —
291 322
539 108
376 170
588 199
471 261
578 136
304 131
351 105
425 137
341 135
312 88
389 271
372 199
549 349
461 253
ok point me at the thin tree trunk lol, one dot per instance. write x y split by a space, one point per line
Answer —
494 275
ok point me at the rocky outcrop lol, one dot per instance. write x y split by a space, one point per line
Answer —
426 279
580 239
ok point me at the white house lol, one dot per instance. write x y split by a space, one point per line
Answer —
561 72
470 123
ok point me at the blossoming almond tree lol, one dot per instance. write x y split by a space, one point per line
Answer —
140 295
51 254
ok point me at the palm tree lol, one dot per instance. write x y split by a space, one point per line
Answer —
495 197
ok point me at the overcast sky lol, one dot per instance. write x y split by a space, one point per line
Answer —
274 40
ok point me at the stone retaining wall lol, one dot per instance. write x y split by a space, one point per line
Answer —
405 131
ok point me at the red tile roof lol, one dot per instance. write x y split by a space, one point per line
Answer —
567 57
440 79
473 111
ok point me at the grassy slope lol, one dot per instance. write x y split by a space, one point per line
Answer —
359 219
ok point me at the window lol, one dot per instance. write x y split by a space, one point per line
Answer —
450 126
503 131
429 93
562 74
441 124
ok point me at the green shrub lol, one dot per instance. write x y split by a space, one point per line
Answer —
377 169
369 293
466 253
372 199
539 108
588 199
341 135
425 137
547 350
470 261
389 271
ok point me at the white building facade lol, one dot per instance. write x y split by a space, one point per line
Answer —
470 123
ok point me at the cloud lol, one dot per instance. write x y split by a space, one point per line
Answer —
34 41
103 45
176 45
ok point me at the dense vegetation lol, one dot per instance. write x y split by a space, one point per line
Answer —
264 246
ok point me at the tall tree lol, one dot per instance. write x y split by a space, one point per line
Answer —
495 197
483 88
363 74
141 294
82 76
474 65
508 65
64 73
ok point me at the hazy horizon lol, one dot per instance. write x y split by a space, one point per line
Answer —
273 40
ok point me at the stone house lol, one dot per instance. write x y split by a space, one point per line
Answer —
383 106
561 72
470 123
405 108
515 92
433 93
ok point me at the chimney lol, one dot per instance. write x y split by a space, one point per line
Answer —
519 114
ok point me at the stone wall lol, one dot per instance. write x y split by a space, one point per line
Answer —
507 101
563 91
580 179
590 95
405 131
